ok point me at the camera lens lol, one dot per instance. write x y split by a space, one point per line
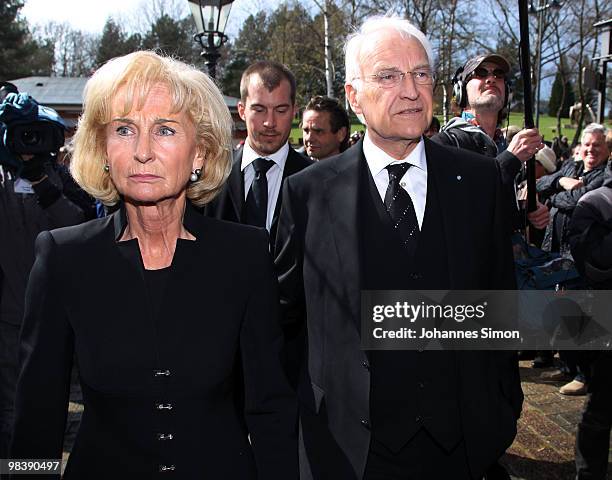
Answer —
30 137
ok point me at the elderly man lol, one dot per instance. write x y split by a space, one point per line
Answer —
394 414
564 188
481 91
267 105
325 126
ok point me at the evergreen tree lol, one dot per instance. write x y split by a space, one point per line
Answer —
556 97
172 37
20 54
251 45
115 42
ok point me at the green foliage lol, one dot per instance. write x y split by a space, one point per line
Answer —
250 45
20 54
172 37
556 97
292 36
115 42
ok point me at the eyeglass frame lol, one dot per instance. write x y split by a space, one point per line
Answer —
377 78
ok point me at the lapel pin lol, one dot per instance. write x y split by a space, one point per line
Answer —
458 177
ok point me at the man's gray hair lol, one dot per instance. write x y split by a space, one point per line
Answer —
377 24
593 128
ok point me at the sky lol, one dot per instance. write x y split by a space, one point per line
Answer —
91 15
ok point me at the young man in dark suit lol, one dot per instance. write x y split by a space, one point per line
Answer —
395 211
267 105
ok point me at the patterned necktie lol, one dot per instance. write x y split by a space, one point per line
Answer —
256 208
400 207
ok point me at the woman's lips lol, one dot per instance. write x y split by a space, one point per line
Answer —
144 177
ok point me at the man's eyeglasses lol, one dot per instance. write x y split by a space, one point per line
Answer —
392 78
483 73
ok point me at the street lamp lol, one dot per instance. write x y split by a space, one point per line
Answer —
210 17
539 10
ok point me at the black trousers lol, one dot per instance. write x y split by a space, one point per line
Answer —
593 436
9 342
421 459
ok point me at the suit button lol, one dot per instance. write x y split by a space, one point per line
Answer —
167 468
366 424
421 385
418 419
165 436
163 406
161 373
366 365
416 276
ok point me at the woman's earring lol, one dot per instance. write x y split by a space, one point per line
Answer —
106 168
195 175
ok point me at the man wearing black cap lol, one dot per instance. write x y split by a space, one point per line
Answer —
481 91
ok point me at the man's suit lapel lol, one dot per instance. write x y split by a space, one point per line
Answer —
235 186
342 200
450 185
293 164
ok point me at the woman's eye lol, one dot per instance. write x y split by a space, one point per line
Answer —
165 131
123 130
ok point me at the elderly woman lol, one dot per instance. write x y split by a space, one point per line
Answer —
172 315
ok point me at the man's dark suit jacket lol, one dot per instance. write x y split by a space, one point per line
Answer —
229 204
317 259
145 372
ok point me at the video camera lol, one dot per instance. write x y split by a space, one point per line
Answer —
26 128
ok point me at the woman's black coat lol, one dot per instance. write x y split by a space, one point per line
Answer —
146 374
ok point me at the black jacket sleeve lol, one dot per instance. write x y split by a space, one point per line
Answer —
590 239
567 199
270 403
45 361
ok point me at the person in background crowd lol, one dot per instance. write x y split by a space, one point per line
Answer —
252 192
381 415
355 137
561 148
590 238
609 143
575 152
191 299
481 91
36 194
325 126
434 127
509 132
566 151
562 190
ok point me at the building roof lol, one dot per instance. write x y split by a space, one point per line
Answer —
66 93
63 92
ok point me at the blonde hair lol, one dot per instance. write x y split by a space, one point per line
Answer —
192 91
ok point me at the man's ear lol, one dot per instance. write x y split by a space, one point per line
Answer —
340 134
351 95
241 109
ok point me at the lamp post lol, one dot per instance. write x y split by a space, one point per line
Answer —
539 10
210 17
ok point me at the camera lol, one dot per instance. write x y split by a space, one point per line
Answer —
27 128
34 138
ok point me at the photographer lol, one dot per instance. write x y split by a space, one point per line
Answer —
36 194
